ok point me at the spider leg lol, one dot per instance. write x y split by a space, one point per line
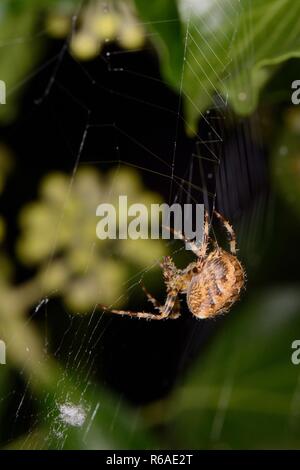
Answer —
145 315
165 310
169 269
152 299
203 248
199 252
180 236
175 313
230 232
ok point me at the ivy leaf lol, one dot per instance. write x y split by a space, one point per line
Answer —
267 36
244 392
162 17
230 51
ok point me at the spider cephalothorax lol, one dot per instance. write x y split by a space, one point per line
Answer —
212 283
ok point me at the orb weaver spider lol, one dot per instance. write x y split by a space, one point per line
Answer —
212 283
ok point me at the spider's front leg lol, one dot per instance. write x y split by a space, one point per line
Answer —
230 232
169 270
199 251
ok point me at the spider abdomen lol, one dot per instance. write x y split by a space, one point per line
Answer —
217 286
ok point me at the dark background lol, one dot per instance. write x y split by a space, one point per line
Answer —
141 360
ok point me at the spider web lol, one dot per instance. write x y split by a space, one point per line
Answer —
211 174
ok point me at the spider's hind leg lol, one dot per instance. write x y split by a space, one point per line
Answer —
165 311
151 299
129 313
230 232
174 313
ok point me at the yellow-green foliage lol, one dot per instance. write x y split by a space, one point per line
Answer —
58 236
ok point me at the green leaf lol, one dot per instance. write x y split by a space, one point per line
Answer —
231 49
20 5
267 35
210 29
163 20
19 51
244 391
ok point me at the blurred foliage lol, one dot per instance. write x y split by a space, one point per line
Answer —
19 52
163 19
209 52
231 50
72 418
61 227
23 28
99 23
84 269
286 159
244 392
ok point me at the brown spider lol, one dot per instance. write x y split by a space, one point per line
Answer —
212 283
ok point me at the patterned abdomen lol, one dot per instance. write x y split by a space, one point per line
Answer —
217 286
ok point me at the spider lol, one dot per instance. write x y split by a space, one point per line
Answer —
212 283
